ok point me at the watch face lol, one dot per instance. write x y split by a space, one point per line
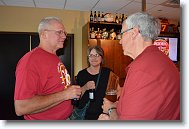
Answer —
110 110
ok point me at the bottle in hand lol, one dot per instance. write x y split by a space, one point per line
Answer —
75 101
92 95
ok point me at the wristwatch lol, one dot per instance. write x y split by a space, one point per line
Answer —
110 110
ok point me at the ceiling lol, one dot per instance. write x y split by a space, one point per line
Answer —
169 9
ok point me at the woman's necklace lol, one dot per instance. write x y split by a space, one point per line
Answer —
93 70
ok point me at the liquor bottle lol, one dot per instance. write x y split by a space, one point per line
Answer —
102 17
98 34
92 95
92 33
104 34
112 34
95 17
99 18
122 18
118 35
91 17
116 19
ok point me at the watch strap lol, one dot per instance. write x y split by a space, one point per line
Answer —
110 110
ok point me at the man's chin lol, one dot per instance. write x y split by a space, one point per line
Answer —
127 54
61 46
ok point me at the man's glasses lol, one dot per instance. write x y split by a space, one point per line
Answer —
125 31
58 32
93 55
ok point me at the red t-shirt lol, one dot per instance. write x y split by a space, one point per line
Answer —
42 73
152 88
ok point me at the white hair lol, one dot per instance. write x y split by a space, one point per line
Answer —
44 22
149 26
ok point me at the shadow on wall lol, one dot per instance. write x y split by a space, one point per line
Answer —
77 29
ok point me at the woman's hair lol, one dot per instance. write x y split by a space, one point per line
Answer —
149 26
99 50
45 22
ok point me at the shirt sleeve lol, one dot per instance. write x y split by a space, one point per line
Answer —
141 97
26 84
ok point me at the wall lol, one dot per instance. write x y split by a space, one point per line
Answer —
21 19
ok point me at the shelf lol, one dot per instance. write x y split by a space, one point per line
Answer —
108 26
109 23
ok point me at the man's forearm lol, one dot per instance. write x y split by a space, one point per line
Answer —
37 104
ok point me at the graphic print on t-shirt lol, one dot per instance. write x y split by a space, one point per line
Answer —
65 77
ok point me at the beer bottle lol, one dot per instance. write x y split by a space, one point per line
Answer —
116 19
99 18
92 95
91 17
102 17
75 101
95 17
122 18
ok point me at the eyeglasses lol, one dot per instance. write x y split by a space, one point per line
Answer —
58 32
125 31
93 55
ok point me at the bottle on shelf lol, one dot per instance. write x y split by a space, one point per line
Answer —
92 33
102 17
99 18
104 34
112 34
92 95
91 17
118 37
125 17
122 18
98 34
95 17
116 19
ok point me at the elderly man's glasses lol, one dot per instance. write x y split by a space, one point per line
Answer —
93 55
125 31
58 32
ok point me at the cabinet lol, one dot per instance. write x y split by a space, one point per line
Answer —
113 52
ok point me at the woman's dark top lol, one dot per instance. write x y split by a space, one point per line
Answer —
95 108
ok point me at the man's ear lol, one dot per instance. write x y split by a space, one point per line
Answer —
135 32
43 34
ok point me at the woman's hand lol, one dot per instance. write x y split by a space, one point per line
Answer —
87 86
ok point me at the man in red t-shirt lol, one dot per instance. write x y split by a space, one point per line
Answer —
42 89
152 87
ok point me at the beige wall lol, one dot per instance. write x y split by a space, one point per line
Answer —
20 19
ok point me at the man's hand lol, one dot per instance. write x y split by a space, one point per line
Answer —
103 117
107 104
73 91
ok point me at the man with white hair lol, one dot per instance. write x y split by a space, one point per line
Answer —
152 87
42 89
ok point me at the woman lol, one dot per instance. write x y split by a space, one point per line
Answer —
87 79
